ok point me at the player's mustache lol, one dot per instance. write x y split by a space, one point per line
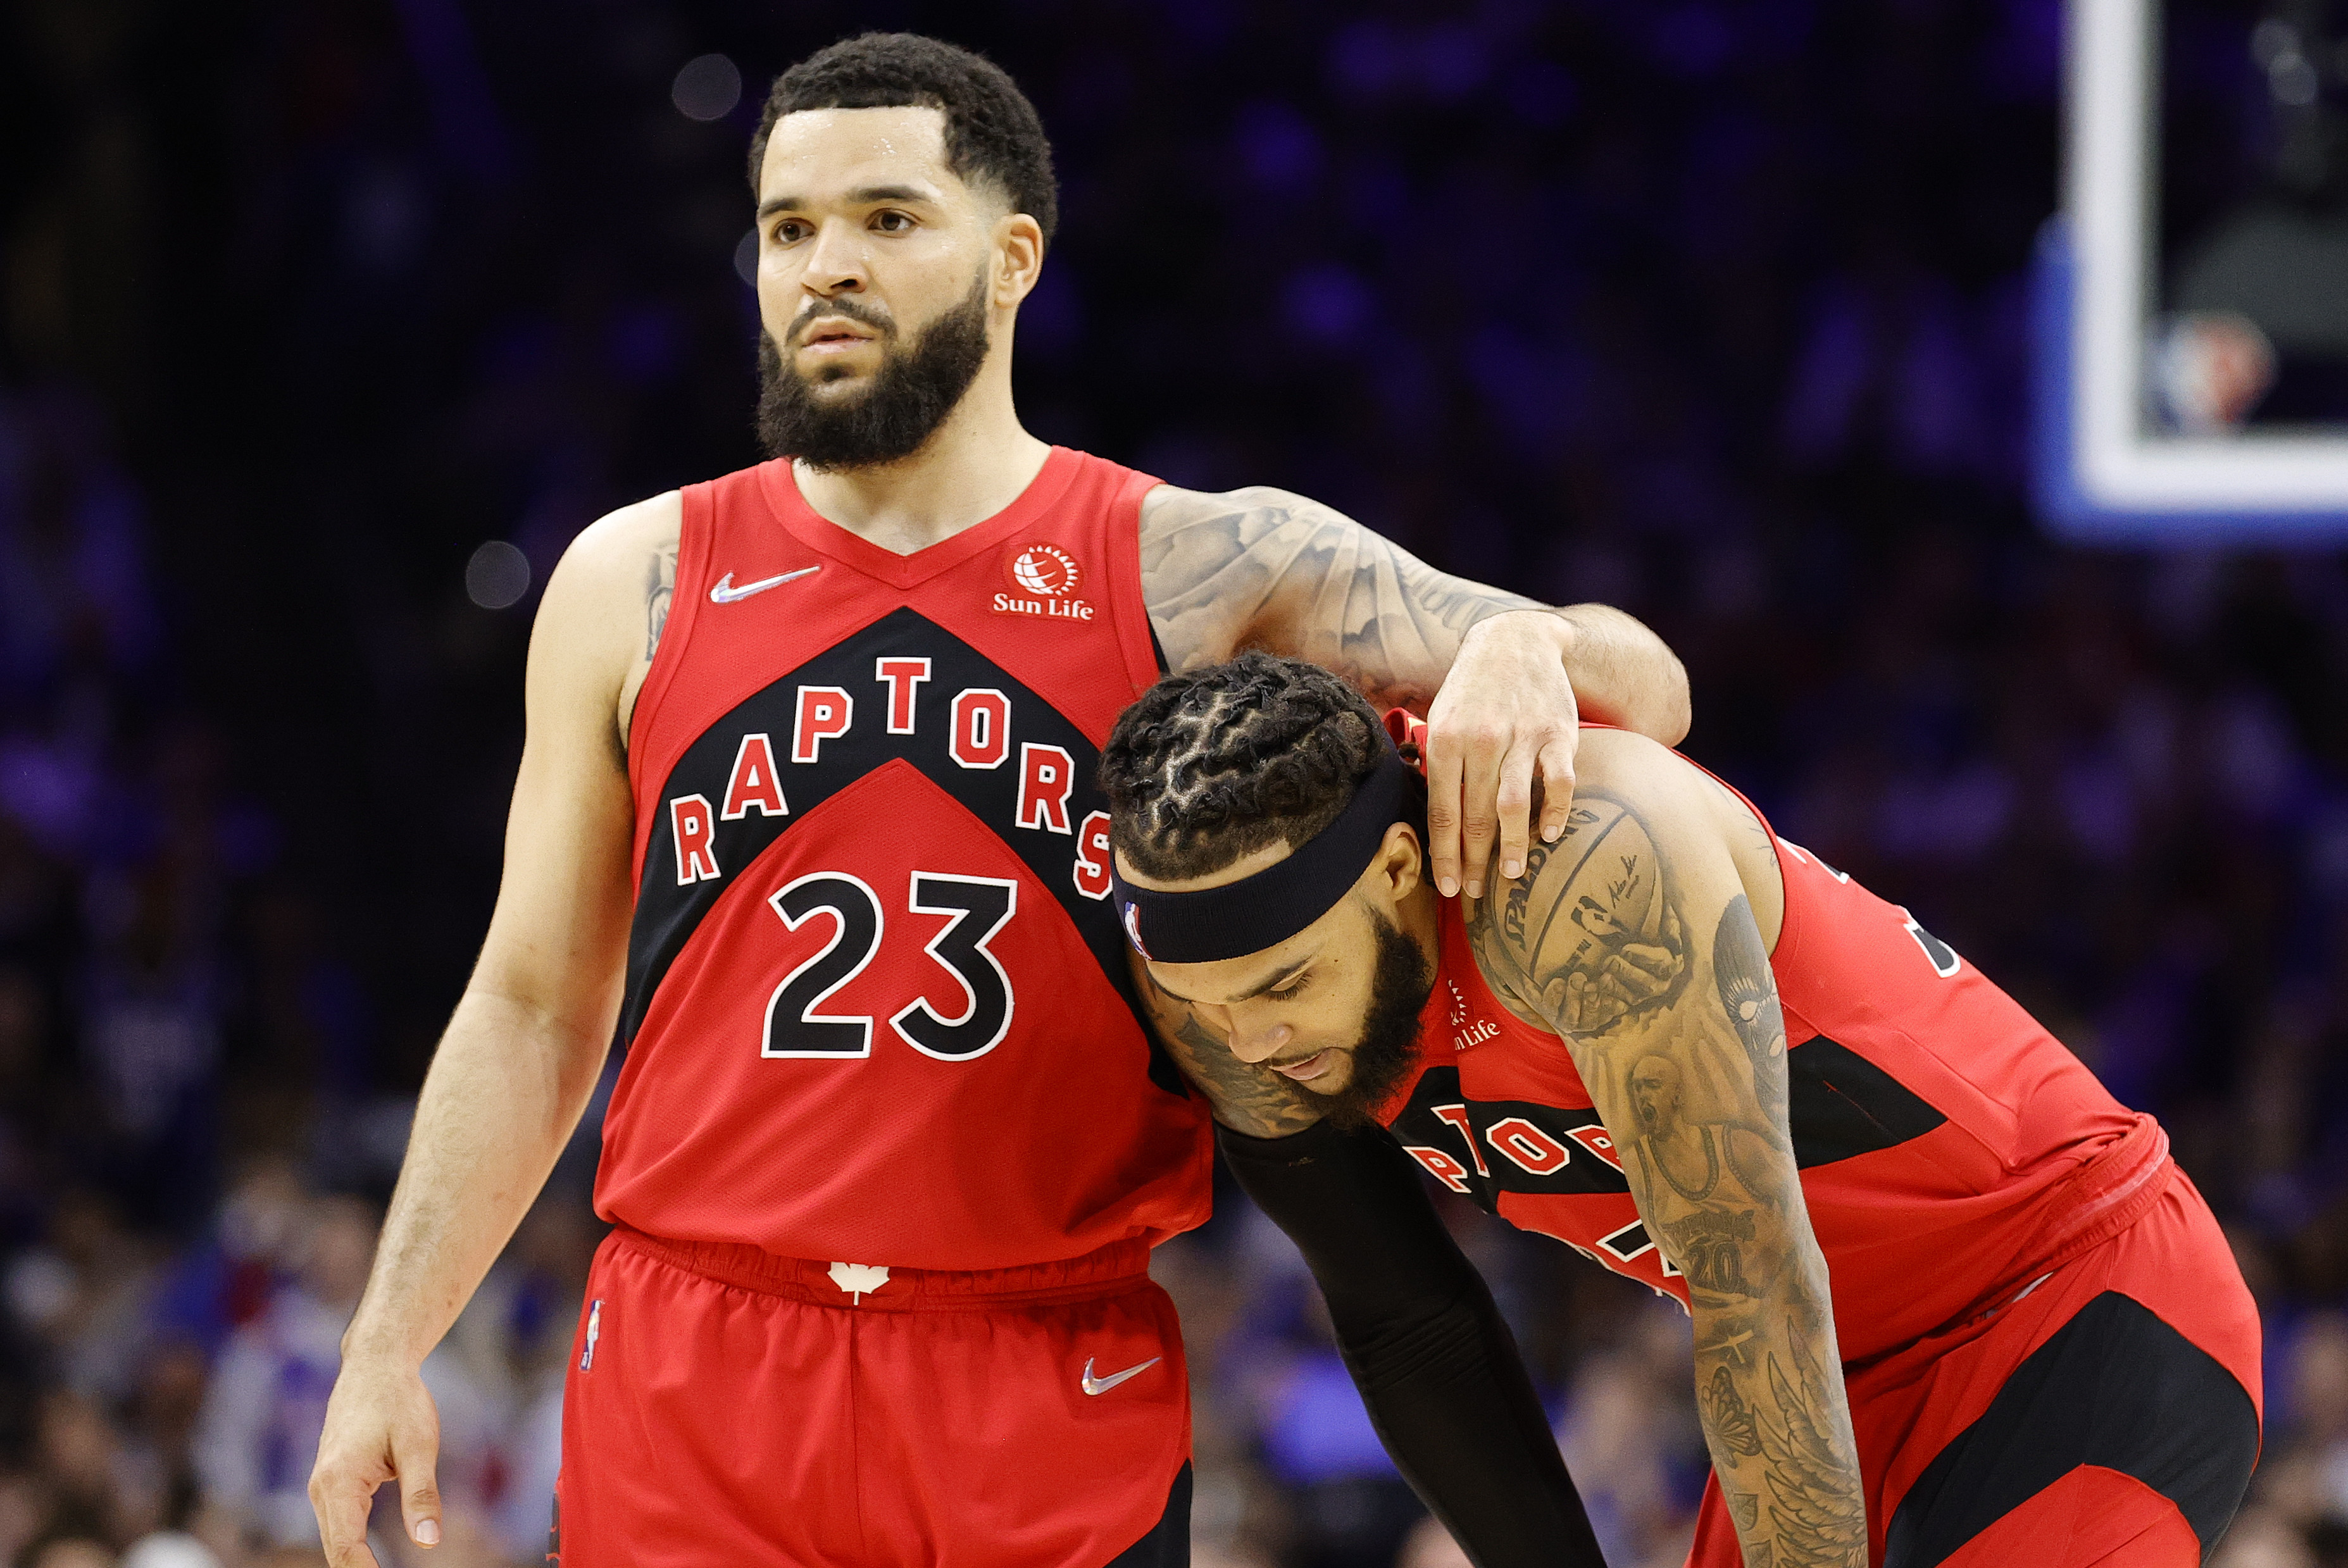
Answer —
878 320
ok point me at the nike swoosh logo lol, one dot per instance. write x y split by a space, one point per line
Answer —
722 591
1102 1385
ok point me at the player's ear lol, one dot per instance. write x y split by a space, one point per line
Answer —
1018 259
1401 861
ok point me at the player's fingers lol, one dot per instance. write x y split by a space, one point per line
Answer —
419 1491
342 1503
1556 769
1513 804
1443 811
1480 791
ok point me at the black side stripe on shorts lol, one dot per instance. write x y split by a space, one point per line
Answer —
2115 1386
1168 1545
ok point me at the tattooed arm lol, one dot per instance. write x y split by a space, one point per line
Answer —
1265 568
1262 568
1634 938
650 540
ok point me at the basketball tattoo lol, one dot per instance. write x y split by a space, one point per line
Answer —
1682 1045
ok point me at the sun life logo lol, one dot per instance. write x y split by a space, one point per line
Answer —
1045 569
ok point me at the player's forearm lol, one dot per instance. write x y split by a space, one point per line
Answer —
507 1087
1436 1367
1625 674
1769 1391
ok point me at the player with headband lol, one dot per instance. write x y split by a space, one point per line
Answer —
1953 1302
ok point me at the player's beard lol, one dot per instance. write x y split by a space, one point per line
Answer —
915 390
1389 1043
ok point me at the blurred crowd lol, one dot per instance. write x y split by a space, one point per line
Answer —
1713 310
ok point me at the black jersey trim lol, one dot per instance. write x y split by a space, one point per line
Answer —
2115 1386
1584 1170
1841 1105
668 914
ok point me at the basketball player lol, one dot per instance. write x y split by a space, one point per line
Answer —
807 808
1953 1304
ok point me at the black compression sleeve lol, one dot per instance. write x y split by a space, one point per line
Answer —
1434 1362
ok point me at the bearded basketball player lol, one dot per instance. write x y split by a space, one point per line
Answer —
807 815
1953 1304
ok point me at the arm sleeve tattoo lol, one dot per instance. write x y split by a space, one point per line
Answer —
1655 973
1263 567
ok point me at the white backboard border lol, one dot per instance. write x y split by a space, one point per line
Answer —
2102 473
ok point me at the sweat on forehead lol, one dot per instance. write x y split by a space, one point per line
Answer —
901 146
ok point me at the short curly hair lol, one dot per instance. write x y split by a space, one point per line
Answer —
994 136
1213 765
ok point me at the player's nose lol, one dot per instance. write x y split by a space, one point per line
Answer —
835 261
1258 1043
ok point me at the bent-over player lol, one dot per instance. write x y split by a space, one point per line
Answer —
807 808
1953 1302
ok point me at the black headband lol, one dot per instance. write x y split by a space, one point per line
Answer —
1267 908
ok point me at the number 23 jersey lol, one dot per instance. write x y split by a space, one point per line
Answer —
877 1004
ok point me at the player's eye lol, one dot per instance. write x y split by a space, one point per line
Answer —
1289 993
892 222
789 231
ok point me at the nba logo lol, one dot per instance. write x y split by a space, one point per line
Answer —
594 1332
1133 930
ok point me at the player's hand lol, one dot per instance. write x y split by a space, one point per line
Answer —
1504 718
381 1425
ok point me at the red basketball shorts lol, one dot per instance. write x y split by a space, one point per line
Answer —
729 1408
2107 1413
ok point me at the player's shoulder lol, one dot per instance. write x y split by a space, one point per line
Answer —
628 532
611 556
594 602
1644 775
1637 804
1250 511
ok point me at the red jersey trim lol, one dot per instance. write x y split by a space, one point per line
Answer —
1128 600
696 527
778 484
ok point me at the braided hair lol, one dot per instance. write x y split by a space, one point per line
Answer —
1212 765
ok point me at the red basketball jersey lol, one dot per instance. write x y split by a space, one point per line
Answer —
1950 1149
877 1003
